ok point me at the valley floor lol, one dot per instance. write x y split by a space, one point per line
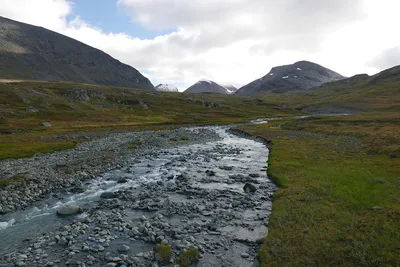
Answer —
339 201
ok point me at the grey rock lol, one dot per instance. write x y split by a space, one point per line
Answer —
45 124
108 195
32 109
249 188
245 255
69 209
122 180
123 248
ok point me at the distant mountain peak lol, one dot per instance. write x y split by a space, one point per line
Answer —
301 75
163 87
207 87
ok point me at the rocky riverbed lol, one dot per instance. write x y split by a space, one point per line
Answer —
199 189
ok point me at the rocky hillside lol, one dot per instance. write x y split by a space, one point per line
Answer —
301 75
166 88
33 53
205 86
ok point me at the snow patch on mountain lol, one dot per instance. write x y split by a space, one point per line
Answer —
166 88
230 88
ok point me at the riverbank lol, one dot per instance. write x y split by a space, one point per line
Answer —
339 198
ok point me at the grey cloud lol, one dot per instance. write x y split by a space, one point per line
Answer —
271 25
273 16
388 58
218 23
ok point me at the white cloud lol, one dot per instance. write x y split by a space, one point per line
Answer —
50 14
232 41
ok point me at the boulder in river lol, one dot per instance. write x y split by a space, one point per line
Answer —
122 180
45 124
108 195
69 209
210 173
249 188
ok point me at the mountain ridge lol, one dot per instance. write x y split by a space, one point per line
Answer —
30 52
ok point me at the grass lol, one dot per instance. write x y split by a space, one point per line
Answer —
133 145
189 257
164 253
16 177
28 149
21 134
338 204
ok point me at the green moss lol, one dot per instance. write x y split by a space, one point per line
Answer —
133 145
185 138
164 253
189 257
4 182
341 212
28 149
16 177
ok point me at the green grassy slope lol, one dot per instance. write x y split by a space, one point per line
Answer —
338 204
110 108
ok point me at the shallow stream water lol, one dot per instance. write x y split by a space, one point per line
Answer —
218 168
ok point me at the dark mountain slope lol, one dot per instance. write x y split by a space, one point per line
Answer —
301 75
33 53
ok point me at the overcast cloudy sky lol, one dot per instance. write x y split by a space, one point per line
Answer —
228 41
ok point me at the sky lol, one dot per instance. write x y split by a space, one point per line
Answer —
228 41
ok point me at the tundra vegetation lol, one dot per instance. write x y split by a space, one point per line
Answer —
339 177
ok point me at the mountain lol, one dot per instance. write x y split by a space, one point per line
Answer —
166 88
205 86
28 52
301 75
231 89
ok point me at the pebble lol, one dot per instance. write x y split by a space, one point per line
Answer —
245 255
123 248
